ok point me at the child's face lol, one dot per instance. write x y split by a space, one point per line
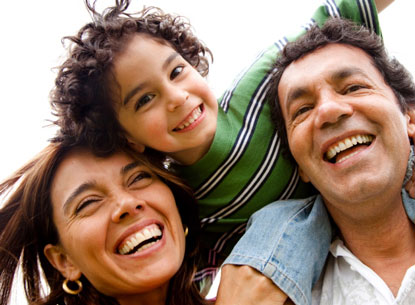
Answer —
164 103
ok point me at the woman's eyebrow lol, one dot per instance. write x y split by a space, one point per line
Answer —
125 169
80 189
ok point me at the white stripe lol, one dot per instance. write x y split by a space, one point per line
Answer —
228 93
242 141
332 8
367 18
291 187
254 185
225 237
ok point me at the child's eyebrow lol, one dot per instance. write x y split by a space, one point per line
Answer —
169 60
166 63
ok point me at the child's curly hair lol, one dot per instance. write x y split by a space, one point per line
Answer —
82 97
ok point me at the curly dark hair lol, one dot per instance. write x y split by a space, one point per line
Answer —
26 226
82 97
341 31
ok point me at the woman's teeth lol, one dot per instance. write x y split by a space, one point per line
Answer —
141 240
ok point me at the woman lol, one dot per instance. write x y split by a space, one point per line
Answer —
103 230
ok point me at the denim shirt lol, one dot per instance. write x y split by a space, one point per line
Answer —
303 222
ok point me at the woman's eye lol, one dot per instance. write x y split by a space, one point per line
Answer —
176 71
138 177
143 100
85 204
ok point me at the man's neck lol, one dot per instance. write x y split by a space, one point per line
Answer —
385 243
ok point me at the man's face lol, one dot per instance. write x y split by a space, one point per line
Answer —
344 125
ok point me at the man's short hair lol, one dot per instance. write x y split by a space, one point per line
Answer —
346 32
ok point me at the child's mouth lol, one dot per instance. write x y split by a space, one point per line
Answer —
192 117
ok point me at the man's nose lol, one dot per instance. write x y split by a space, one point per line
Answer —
331 108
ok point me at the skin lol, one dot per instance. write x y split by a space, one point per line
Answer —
117 198
232 271
158 93
328 95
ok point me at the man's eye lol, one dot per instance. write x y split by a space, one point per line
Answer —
138 177
301 111
353 88
176 71
143 100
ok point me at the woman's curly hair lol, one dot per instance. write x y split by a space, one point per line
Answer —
82 98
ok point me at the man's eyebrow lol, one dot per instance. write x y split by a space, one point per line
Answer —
80 189
130 94
343 73
295 94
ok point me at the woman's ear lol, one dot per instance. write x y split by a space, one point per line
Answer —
61 262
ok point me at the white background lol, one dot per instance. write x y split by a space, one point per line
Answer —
235 30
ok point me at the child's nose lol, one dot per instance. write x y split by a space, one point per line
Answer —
176 98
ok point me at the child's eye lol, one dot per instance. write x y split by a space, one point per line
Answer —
139 177
143 100
176 71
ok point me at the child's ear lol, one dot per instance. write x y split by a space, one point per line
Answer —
303 176
62 262
136 146
410 123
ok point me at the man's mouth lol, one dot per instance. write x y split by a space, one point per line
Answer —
140 240
347 147
196 113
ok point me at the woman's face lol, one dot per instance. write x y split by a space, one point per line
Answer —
118 225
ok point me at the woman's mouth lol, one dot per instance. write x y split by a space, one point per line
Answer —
141 240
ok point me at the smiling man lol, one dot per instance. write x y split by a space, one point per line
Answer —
344 110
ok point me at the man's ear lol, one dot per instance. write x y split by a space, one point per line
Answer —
61 262
303 176
410 123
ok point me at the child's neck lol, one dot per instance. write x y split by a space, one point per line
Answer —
191 156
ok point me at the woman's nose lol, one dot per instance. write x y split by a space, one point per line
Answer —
126 205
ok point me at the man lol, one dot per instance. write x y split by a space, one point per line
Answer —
344 110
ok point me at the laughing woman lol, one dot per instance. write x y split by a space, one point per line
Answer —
113 230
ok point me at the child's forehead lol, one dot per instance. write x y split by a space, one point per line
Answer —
138 38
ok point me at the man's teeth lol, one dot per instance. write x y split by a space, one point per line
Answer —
140 238
347 143
193 117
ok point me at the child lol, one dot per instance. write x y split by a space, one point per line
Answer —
139 79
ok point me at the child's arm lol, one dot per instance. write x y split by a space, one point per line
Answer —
244 285
382 4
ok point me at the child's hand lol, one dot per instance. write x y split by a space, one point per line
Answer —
410 186
243 285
